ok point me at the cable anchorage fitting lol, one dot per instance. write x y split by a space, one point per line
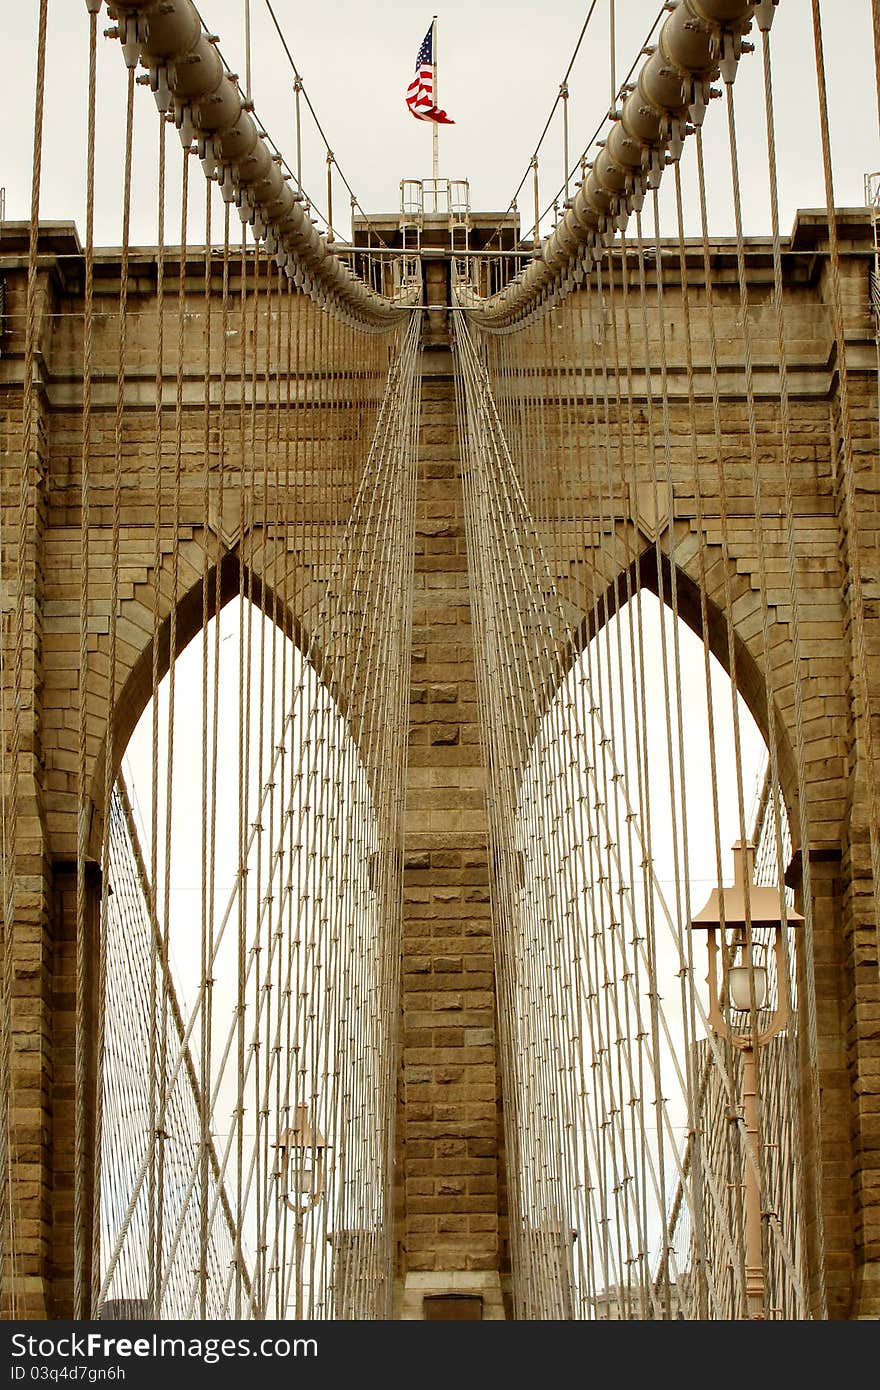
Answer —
765 13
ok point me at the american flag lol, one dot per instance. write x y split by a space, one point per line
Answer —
420 92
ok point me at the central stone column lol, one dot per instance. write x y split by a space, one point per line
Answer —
449 1096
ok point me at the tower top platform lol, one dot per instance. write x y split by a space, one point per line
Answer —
436 215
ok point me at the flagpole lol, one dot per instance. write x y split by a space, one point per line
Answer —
436 137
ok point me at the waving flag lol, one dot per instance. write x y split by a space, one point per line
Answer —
420 92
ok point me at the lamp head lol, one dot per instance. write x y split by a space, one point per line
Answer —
735 913
302 1149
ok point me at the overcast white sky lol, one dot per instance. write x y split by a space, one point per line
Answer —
500 68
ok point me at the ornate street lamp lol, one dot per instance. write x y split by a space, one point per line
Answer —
737 1005
301 1151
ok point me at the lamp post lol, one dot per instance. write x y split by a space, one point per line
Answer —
736 913
301 1170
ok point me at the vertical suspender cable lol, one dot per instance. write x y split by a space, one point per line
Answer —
84 800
